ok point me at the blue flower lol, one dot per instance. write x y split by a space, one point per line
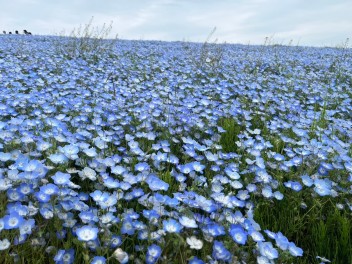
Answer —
322 187
281 241
220 252
172 226
142 166
153 254
27 226
296 186
307 181
87 233
115 241
127 227
98 260
61 178
4 244
238 234
87 217
188 222
256 235
13 221
65 256
155 184
49 189
294 250
266 249
214 230
58 158
70 151
232 171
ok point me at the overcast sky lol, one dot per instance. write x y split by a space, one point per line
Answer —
307 22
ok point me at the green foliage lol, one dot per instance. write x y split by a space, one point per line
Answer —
317 226
88 42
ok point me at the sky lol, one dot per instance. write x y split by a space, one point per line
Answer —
299 22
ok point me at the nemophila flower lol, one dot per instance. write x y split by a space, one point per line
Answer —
238 234
88 173
281 241
27 226
120 255
279 157
270 234
64 256
213 230
296 160
195 260
87 233
194 242
266 249
198 167
211 157
188 222
186 168
307 181
322 170
263 260
153 254
25 188
278 195
256 235
32 165
5 156
118 170
348 166
322 187
49 189
171 226
155 184
114 241
127 227
151 215
88 217
111 183
18 240
4 244
43 146
70 151
232 171
13 221
267 192
58 158
142 166
98 260
262 176
90 152
17 207
61 178
14 195
294 250
5 184
61 234
216 187
108 218
296 186
243 195
220 252
46 212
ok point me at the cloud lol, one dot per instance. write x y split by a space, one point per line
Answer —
314 22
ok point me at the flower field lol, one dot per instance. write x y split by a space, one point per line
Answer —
174 152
